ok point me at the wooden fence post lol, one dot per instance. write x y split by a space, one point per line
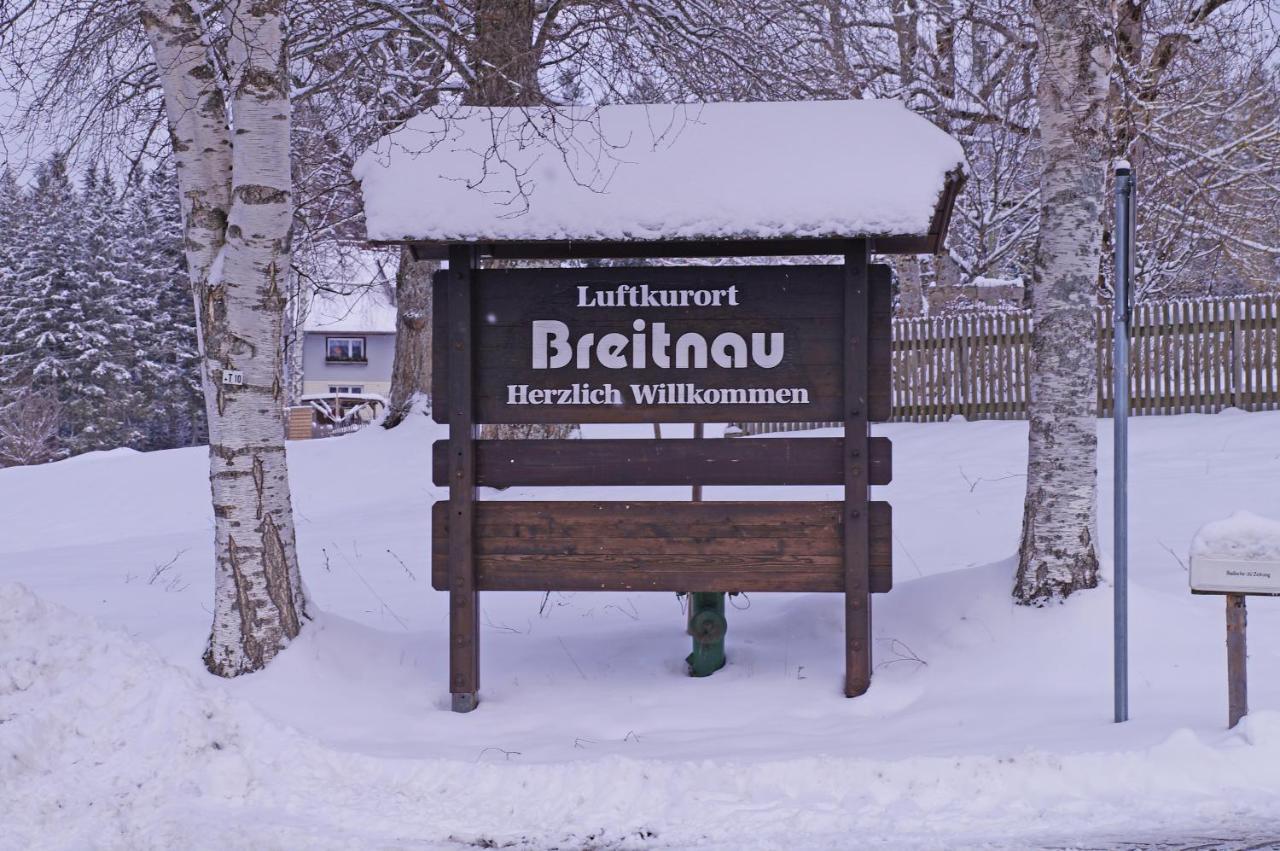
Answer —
1237 358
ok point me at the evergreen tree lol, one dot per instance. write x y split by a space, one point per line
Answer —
170 362
98 312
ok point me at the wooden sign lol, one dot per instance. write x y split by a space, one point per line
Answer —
661 344
662 546
773 461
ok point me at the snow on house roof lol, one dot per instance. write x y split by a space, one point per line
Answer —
717 171
350 289
359 310
343 265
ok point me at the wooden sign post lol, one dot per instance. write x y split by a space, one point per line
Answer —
1236 578
661 344
1237 660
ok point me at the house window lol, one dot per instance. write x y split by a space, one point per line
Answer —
344 350
344 389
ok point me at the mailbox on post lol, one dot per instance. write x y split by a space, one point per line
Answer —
1237 557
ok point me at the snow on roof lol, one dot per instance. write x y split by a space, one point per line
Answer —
670 171
340 265
1243 535
364 310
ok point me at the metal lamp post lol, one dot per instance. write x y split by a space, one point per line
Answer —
1124 232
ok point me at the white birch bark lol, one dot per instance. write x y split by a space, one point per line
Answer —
1058 553
237 210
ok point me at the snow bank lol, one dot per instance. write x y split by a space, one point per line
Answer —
987 725
721 170
1243 535
105 745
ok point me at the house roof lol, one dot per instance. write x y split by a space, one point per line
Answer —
365 309
760 172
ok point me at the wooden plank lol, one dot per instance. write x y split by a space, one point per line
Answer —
1024 363
880 339
952 360
941 396
1269 354
967 339
1215 364
1187 341
1168 382
591 250
897 378
299 422
1146 395
1177 367
907 411
665 546
1195 351
774 461
1002 368
1186 390
970 363
1199 350
1237 355
856 531
464 600
929 362
974 347
1251 350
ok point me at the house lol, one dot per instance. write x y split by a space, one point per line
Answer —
348 349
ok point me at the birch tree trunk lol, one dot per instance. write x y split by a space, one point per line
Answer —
910 287
237 212
411 370
1059 526
294 337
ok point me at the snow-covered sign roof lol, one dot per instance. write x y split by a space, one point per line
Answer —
359 310
698 172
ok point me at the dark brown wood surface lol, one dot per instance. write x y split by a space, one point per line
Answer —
880 344
805 303
459 549
856 526
774 461
663 546
589 250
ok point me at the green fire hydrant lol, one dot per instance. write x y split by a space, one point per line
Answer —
707 626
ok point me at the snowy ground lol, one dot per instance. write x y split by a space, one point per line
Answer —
986 725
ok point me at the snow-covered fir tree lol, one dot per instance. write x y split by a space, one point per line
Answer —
98 314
